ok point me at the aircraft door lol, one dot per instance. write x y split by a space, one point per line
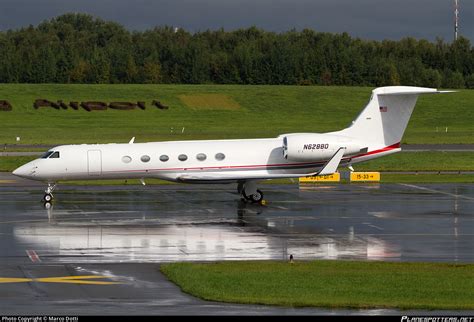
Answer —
94 162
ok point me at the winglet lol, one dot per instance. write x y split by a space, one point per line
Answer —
132 140
331 166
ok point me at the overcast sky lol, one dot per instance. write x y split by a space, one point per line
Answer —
368 19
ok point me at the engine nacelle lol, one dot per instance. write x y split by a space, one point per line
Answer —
316 147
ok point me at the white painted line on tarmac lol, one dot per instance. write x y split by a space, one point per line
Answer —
376 227
371 225
436 191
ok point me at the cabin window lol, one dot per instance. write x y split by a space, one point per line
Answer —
220 156
54 155
201 157
126 159
145 158
182 157
47 154
164 158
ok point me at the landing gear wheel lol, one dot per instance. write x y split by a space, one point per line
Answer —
256 197
48 197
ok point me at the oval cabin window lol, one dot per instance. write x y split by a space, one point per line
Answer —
126 159
220 156
201 157
182 157
145 158
164 158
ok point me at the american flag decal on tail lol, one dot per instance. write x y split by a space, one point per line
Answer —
383 108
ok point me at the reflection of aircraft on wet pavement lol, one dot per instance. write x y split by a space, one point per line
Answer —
89 235
376 132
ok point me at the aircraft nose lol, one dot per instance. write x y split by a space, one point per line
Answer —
25 171
19 172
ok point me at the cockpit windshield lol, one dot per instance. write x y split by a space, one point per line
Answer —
47 154
50 155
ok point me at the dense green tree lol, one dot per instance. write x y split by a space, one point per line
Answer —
453 79
79 72
151 72
78 48
99 71
470 81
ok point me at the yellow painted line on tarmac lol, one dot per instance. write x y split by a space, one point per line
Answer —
14 280
80 279
7 181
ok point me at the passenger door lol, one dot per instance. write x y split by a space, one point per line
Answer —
94 162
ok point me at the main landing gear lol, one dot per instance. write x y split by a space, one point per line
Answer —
48 193
248 191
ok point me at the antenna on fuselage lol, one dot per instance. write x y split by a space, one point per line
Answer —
132 140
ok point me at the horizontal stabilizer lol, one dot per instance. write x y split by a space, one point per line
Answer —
331 166
406 90
417 92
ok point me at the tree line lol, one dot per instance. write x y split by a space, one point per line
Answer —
78 48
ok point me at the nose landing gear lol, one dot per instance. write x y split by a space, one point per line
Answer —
48 196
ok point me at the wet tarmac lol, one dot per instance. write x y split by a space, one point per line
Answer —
110 240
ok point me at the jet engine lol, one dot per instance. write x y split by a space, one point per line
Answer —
315 147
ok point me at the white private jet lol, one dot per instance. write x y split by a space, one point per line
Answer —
376 132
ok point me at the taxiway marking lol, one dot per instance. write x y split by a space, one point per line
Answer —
14 280
80 279
373 226
7 181
436 191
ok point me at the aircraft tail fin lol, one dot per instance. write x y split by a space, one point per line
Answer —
386 116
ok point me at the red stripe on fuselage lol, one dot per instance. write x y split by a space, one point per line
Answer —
387 148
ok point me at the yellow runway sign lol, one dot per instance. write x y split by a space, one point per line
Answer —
335 177
365 176
80 279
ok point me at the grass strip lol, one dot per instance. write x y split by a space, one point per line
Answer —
334 284
421 161
250 112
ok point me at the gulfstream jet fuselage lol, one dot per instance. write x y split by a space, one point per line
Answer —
376 132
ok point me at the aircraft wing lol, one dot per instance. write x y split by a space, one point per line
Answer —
329 168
